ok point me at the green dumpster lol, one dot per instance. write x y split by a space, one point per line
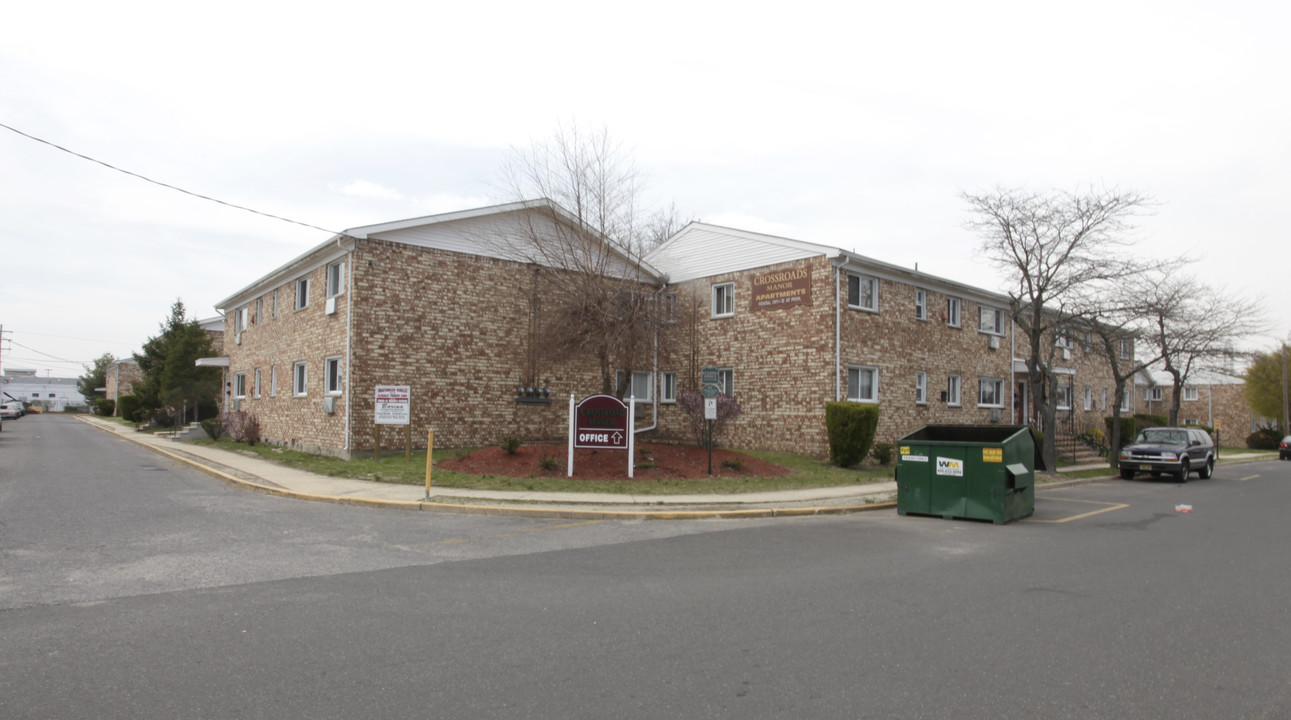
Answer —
974 472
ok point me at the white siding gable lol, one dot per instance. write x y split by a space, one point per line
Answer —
700 250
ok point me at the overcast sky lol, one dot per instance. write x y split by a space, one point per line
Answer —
856 125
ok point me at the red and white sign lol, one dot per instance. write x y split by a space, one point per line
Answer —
393 405
601 422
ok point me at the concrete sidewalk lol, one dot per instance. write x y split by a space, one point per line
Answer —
248 471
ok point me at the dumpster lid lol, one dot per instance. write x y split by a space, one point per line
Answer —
1017 469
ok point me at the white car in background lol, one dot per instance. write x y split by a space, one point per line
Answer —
11 410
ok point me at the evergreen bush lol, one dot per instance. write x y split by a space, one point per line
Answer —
851 427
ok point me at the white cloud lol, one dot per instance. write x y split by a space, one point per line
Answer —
367 189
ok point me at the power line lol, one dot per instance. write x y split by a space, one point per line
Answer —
38 352
162 184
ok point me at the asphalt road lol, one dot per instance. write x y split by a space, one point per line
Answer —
133 587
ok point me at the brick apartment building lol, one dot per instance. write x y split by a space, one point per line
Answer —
1211 399
433 304
120 379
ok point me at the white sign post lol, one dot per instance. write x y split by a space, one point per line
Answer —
393 407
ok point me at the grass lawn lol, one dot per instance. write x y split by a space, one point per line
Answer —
807 472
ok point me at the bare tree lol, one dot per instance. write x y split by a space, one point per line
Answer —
591 292
1052 247
1193 327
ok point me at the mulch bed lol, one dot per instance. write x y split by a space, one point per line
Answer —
669 462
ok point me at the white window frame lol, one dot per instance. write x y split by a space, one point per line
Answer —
1154 394
954 391
336 279
920 387
1125 401
954 311
997 324
920 304
859 304
641 379
300 379
726 381
1126 349
332 375
1190 394
1103 405
1089 398
723 300
668 387
255 385
273 381
1063 397
240 320
997 386
259 318
302 292
239 385
275 303
854 389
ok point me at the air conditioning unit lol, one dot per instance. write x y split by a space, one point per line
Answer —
1066 354
237 339
237 406
329 405
993 342
330 306
995 415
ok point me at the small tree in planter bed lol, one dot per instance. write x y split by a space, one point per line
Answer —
691 402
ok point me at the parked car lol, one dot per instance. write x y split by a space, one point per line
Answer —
1173 450
12 410
1284 448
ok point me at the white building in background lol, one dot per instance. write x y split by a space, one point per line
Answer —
51 393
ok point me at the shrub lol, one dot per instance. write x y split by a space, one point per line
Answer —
732 464
1263 439
105 406
242 426
550 463
214 427
1144 420
163 418
1129 428
691 402
128 407
510 444
851 429
882 452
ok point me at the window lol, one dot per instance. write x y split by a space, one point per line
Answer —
1103 405
640 388
668 387
920 304
863 384
53 394
255 388
273 381
952 311
863 292
1125 402
1190 421
1127 348
990 392
259 318
35 395
1190 393
302 293
921 388
239 385
299 374
1063 397
332 376
240 320
952 390
724 300
668 308
990 320
726 381
1154 394
1063 338
335 279
1089 398
275 303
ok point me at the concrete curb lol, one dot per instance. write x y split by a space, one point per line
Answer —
501 510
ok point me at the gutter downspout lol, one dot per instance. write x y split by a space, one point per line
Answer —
838 333
349 324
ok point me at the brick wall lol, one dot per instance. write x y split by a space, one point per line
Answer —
120 379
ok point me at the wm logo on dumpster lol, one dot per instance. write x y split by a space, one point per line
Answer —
950 466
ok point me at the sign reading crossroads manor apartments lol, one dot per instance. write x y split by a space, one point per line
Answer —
781 288
601 421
